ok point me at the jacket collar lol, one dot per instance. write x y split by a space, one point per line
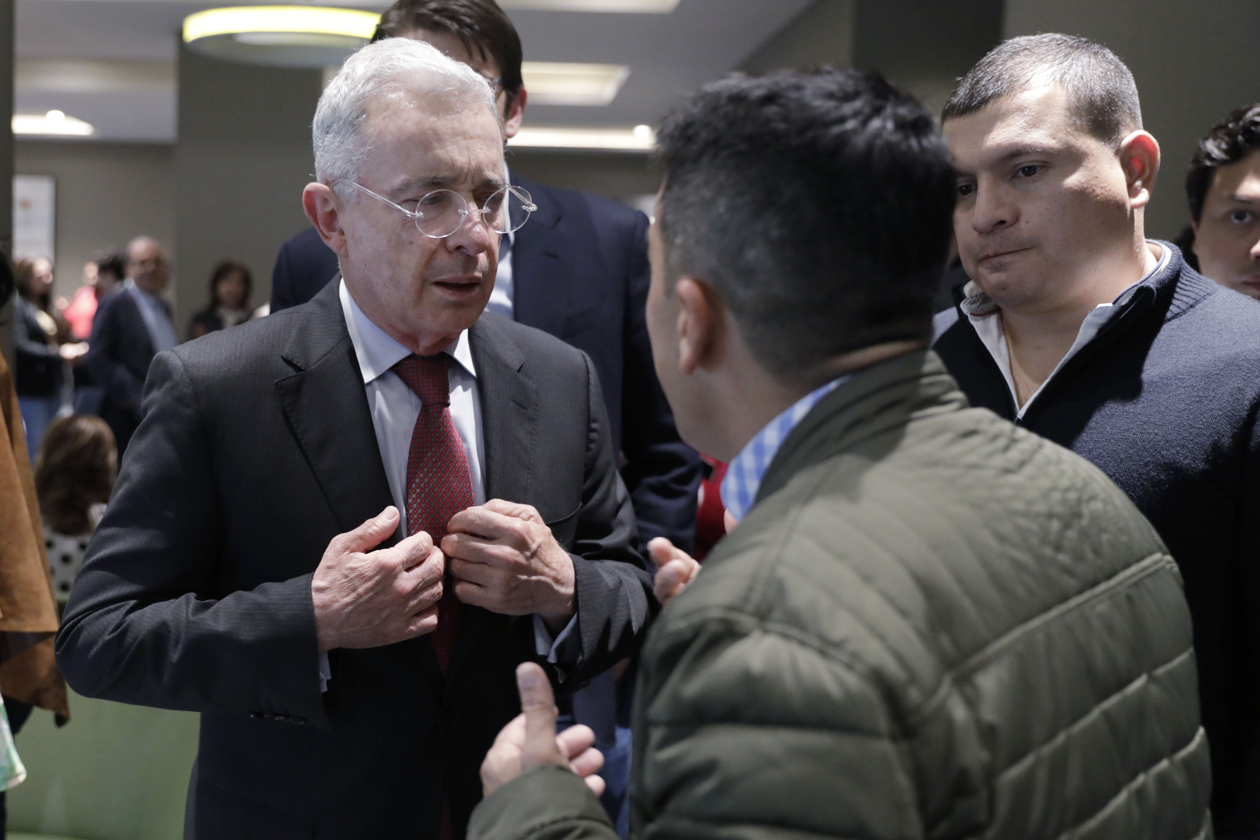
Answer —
874 400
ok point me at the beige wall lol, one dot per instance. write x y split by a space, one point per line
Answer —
6 164
106 194
1194 63
242 159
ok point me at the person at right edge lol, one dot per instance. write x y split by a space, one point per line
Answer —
1077 327
929 622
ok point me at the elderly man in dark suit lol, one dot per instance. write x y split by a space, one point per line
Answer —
132 325
345 525
578 271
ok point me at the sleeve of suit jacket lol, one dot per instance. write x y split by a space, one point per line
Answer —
661 472
141 627
613 590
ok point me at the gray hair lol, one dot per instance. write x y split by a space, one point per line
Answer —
394 69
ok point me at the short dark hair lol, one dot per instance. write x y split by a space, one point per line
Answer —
1100 88
1229 141
818 204
223 269
480 25
113 263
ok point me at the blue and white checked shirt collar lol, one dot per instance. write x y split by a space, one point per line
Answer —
744 475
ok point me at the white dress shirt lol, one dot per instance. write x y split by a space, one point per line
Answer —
986 318
395 407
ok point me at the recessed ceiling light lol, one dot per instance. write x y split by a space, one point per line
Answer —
590 139
53 123
563 83
657 7
293 36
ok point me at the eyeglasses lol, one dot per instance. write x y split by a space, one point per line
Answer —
442 212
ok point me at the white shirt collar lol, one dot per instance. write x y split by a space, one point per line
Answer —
377 352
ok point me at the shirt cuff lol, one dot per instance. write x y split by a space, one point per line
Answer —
565 649
325 670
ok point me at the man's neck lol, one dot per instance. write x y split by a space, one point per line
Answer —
1038 337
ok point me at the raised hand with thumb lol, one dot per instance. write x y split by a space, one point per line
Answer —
530 738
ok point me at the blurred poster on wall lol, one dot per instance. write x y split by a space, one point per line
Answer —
34 216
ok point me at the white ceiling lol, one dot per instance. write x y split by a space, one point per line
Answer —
112 62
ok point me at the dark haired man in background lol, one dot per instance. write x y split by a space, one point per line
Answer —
1223 188
900 639
1080 329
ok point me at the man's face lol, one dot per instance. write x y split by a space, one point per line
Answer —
486 67
422 291
1040 201
148 265
1227 237
42 275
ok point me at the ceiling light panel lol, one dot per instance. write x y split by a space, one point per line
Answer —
587 139
561 83
294 36
51 124
653 7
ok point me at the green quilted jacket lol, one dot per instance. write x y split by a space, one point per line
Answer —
932 624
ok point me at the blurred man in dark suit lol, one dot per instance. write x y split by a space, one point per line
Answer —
132 325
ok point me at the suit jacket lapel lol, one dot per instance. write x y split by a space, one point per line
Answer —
541 279
326 407
509 423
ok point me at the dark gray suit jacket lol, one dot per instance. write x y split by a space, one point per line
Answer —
256 448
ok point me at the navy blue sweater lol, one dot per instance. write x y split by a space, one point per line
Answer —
1165 400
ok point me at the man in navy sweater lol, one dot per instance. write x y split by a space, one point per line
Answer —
1079 328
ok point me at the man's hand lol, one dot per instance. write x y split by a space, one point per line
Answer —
504 558
530 739
365 598
675 568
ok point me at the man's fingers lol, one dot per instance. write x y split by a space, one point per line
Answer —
661 551
672 578
483 522
515 510
576 740
538 705
596 784
368 535
588 763
412 551
423 623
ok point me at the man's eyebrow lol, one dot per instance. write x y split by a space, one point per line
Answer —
1242 199
446 181
1024 150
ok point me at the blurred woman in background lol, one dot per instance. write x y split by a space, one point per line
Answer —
230 286
43 347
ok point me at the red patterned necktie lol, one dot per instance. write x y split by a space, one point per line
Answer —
439 484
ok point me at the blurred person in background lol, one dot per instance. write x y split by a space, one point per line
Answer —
230 286
74 476
132 325
28 612
43 346
929 623
101 275
82 306
1223 189
1078 328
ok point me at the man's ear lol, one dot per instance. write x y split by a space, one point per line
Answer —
323 208
1139 157
701 318
515 113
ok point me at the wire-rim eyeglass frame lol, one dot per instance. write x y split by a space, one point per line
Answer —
496 202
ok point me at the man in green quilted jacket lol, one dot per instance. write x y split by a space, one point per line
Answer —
928 623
